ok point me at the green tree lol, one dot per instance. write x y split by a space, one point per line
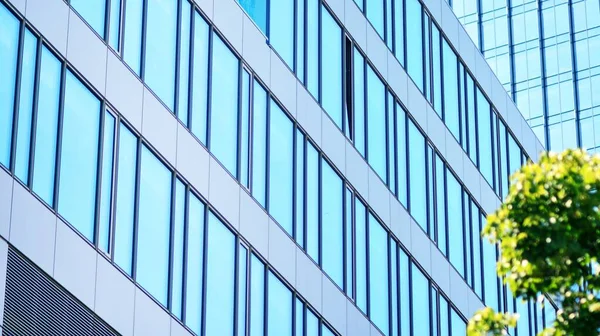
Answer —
548 231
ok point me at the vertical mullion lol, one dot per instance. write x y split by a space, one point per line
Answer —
99 173
204 266
115 185
36 94
143 46
136 215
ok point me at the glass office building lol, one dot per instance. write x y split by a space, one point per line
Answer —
251 168
543 52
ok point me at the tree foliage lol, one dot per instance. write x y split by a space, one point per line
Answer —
548 231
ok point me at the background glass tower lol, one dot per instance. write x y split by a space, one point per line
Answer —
545 54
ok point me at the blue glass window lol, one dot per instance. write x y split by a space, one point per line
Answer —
92 11
459 327
417 177
391 143
325 331
436 55
106 187
279 315
281 29
331 66
514 153
132 34
79 160
257 297
361 255
242 291
224 105
490 283
259 144
503 158
199 115
312 46
401 155
245 131
394 294
349 244
154 226
420 302
257 10
312 324
414 41
471 120
451 112
332 225
220 278
440 178
24 123
434 308
185 29
194 264
281 167
125 203
299 318
376 147
444 317
312 202
47 126
378 275
359 102
114 29
405 292
455 223
374 10
399 30
300 186
300 39
178 249
484 127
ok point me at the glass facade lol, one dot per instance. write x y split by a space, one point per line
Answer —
69 146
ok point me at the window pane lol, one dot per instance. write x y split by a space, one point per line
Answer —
361 255
47 126
376 149
359 102
374 10
484 126
132 35
437 69
115 24
220 278
394 287
245 131
281 29
194 264
399 30
299 318
455 223
332 209
312 324
178 249
444 317
154 227
79 160
325 331
224 105
378 275
420 302
459 327
401 155
125 204
331 65
476 236
312 202
300 39
23 145
472 134
391 144
490 279
184 62
417 176
242 290
92 11
349 244
199 116
451 112
414 43
405 309
259 144
280 308
106 188
440 185
300 186
281 167
312 47
257 297
257 10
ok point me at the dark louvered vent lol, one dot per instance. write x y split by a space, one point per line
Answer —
36 305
